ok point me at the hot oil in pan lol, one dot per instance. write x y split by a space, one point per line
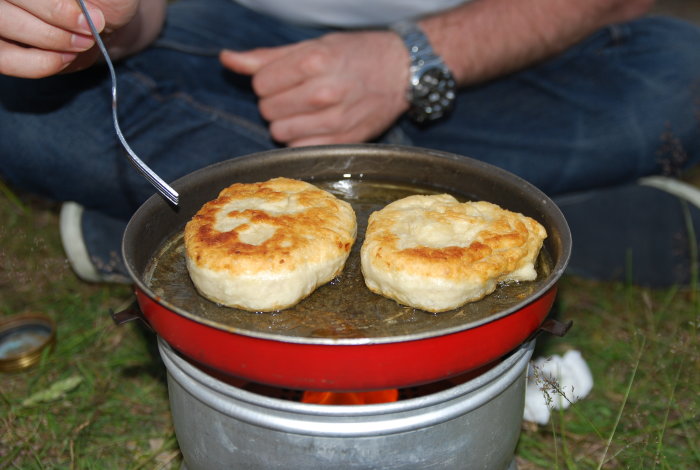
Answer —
343 308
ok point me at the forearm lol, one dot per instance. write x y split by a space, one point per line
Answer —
488 38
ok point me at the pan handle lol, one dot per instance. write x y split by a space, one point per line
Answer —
553 327
129 313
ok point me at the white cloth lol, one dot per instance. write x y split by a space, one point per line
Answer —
349 13
555 383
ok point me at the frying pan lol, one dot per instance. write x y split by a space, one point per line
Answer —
342 337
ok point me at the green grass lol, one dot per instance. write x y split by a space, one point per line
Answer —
117 416
643 412
101 397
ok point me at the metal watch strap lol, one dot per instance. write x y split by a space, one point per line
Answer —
417 44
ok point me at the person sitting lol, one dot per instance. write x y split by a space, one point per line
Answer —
596 103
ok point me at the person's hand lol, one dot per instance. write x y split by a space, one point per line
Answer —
339 88
39 38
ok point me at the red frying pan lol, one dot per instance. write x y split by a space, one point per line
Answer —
343 337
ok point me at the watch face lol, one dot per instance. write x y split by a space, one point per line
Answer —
433 94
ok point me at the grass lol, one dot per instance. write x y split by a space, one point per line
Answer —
99 400
642 347
117 414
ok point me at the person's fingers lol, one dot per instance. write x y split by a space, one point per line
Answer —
295 65
309 96
276 69
26 62
39 39
239 62
64 14
22 27
332 121
249 62
350 121
301 126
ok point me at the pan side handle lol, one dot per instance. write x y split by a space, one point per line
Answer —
130 312
553 327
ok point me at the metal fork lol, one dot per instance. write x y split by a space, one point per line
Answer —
163 188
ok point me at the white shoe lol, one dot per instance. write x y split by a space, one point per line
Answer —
680 189
85 266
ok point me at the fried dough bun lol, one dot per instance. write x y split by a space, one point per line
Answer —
437 254
265 246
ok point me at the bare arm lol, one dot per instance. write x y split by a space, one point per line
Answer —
488 38
350 87
42 38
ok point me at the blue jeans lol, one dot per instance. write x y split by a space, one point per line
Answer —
622 104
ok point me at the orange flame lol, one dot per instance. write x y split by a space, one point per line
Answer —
350 398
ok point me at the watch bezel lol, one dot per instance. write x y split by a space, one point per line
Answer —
430 101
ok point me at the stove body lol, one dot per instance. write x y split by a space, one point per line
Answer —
473 425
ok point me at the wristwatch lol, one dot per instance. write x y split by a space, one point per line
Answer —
431 88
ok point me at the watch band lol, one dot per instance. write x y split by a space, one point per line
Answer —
417 44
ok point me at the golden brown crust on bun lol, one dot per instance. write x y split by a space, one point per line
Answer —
436 254
265 246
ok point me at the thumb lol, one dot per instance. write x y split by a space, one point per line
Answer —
248 62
